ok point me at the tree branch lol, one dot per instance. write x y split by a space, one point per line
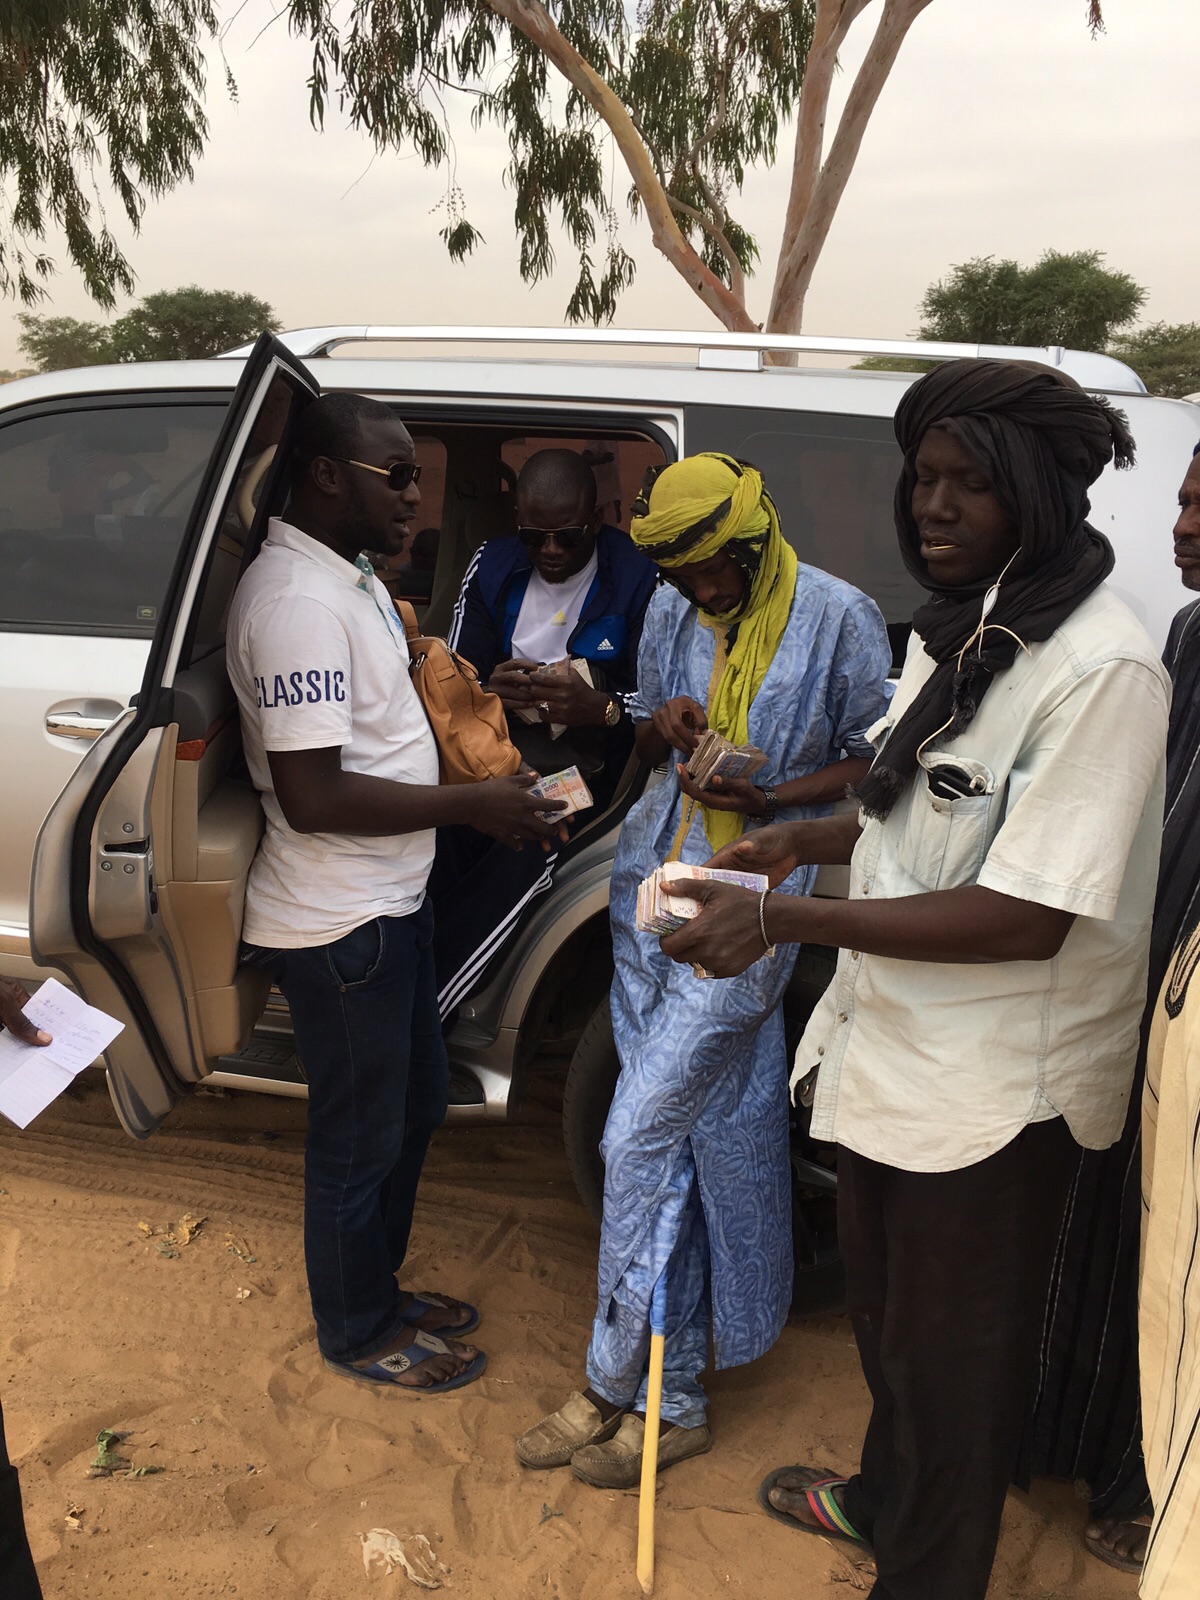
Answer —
737 276
532 19
832 23
799 258
717 123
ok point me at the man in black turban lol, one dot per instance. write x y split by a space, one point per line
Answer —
1041 441
983 1022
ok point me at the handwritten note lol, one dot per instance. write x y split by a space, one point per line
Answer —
31 1076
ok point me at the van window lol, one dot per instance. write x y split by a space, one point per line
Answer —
93 505
619 464
469 467
833 479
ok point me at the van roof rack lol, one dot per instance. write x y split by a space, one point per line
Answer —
740 352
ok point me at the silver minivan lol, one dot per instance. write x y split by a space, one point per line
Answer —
131 497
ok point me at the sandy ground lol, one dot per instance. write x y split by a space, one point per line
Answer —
273 1468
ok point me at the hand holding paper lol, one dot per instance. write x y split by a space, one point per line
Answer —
13 997
31 1076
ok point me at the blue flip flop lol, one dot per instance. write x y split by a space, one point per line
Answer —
388 1369
421 1303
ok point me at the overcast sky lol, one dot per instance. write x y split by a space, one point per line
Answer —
1003 130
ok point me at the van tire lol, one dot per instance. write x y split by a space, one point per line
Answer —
587 1095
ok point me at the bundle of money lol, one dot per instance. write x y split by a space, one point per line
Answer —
716 757
566 785
555 669
660 915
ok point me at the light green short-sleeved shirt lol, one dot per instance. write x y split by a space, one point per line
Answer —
932 1066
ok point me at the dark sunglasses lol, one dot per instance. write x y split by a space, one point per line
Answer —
399 475
565 538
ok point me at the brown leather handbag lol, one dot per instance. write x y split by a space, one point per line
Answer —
469 724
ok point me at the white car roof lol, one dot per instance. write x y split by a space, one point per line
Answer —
584 366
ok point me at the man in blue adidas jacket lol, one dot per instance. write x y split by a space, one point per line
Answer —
566 583
563 585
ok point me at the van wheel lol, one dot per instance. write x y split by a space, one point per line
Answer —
587 1095
819 1282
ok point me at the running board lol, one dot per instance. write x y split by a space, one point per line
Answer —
269 1065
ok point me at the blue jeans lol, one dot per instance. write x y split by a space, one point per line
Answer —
364 1011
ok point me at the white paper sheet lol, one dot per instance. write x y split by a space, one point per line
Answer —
31 1076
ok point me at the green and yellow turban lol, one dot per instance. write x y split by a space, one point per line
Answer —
696 508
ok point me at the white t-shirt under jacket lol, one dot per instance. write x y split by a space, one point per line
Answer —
932 1066
549 612
318 658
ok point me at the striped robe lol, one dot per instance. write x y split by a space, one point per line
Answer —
1170 1290
1087 1422
697 1178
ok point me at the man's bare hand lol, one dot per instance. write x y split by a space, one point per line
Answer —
510 680
569 699
505 809
681 722
726 794
13 998
769 850
725 938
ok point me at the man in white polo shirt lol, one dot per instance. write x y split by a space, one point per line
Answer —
983 1023
341 751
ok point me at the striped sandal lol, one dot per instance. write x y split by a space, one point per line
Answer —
817 1484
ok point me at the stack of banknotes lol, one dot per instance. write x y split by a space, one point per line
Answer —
659 914
567 785
715 757
556 669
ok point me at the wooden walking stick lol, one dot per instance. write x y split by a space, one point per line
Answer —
645 1544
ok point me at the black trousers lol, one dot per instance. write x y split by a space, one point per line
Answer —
18 1580
478 889
946 1282
1088 1418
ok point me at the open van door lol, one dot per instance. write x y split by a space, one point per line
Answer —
140 867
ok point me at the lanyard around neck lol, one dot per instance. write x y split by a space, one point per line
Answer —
366 582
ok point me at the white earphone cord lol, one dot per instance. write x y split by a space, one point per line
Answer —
985 610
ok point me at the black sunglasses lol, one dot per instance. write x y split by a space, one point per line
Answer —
399 475
566 538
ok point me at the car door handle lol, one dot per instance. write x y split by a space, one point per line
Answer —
80 724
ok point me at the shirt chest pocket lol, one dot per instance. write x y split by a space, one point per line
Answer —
947 834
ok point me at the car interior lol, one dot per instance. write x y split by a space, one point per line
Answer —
213 819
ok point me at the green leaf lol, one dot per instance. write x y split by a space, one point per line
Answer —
1065 299
92 90
708 83
190 323
52 343
460 238
1166 356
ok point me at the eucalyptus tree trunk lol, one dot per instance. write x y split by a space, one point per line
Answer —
819 180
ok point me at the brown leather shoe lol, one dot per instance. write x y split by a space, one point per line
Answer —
553 1441
617 1464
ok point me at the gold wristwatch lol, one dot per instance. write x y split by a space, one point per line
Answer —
612 712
